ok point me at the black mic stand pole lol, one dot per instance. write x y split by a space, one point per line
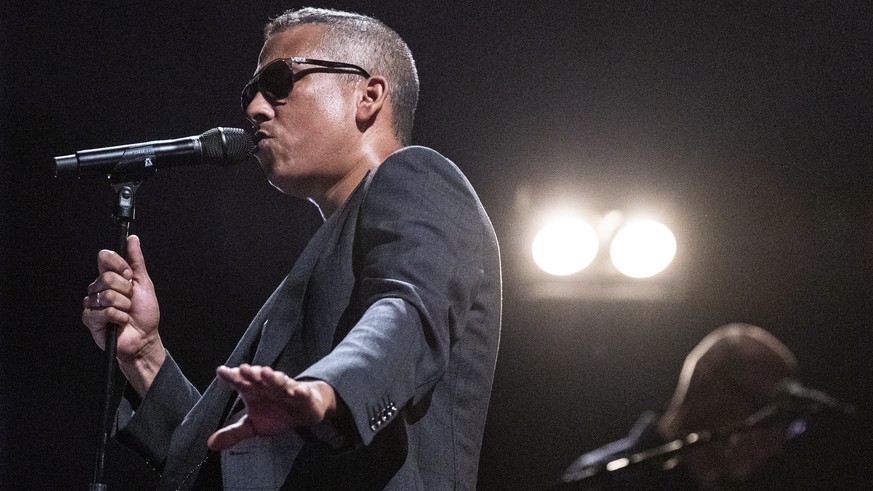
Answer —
124 214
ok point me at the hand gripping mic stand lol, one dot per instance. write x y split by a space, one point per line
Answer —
127 166
125 179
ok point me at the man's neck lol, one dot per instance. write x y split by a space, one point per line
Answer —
335 197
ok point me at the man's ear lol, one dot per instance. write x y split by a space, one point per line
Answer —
372 99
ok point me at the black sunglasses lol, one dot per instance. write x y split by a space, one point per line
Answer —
276 79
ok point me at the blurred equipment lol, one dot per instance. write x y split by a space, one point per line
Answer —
735 410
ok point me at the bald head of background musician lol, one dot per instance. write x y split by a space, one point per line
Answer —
734 372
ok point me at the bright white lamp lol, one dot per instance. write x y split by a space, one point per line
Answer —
643 249
565 246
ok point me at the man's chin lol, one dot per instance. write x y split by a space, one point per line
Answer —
268 165
264 159
283 185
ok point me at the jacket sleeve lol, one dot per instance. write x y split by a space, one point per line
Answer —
421 230
148 429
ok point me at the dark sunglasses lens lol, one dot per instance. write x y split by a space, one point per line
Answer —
248 94
275 81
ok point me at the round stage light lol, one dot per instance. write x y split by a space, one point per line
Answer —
565 247
643 249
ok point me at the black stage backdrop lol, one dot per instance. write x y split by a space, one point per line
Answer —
751 121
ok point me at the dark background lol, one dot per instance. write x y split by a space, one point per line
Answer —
748 124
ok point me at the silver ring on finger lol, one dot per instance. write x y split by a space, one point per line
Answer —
99 305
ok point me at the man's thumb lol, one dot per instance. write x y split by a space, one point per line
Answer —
135 258
231 435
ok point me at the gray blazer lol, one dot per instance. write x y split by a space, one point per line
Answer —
395 302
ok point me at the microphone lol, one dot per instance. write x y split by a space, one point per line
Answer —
218 146
803 399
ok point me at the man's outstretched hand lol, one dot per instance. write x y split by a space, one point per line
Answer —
275 403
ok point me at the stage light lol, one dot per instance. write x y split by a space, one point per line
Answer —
565 246
572 243
642 249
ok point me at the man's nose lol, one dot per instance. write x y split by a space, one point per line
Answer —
259 109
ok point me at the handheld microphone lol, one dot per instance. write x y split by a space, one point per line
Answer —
218 146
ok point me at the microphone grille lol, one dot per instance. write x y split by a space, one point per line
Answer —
226 146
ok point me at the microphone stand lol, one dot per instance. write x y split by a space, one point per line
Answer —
124 214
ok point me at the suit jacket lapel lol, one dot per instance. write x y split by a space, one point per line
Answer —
270 331
286 314
188 447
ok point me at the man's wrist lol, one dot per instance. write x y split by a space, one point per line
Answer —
141 370
327 396
336 429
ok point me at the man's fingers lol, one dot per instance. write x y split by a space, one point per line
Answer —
253 374
232 376
93 301
96 321
278 378
260 375
274 377
231 435
118 274
96 326
111 261
247 378
110 280
107 298
228 374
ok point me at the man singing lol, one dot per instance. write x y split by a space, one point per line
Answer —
371 365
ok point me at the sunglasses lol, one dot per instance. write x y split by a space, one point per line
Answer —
276 79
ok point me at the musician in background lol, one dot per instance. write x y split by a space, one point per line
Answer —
730 385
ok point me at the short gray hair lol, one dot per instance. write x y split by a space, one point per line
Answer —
367 42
